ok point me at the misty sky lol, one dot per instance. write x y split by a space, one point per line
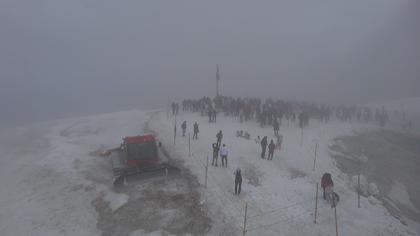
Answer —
64 58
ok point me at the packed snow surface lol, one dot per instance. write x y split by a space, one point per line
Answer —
280 194
49 177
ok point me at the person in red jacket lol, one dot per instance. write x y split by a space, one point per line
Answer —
326 182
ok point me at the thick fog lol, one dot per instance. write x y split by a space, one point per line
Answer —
66 58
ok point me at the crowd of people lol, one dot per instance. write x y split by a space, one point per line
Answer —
274 112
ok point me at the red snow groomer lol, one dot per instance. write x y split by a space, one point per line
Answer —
137 155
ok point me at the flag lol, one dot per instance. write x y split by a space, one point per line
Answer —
217 73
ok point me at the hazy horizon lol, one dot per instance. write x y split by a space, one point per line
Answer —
69 58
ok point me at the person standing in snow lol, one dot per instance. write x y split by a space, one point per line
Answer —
219 137
173 108
224 153
215 154
271 148
210 114
264 144
214 114
276 127
326 184
329 194
184 127
176 108
238 181
195 135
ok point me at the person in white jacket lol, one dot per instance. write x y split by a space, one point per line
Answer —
224 153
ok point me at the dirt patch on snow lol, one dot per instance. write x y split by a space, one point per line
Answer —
253 175
158 203
296 174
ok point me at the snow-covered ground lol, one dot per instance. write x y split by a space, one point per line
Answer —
280 194
49 177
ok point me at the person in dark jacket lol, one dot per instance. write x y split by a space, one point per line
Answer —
264 144
215 154
271 148
219 137
195 135
184 127
173 108
238 181
276 127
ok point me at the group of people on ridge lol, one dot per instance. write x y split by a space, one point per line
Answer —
271 148
299 113
195 129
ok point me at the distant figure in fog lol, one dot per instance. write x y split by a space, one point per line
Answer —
219 137
173 105
276 127
184 127
215 154
271 148
195 135
264 144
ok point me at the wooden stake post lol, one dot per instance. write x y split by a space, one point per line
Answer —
189 144
316 202
174 131
301 137
207 168
244 229
358 191
316 149
336 223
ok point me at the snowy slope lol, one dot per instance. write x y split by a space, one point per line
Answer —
283 200
48 179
